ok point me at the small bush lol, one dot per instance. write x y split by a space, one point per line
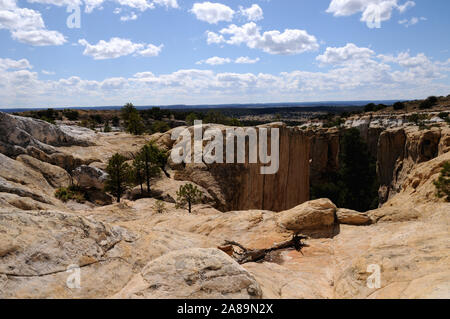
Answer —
160 126
443 183
70 193
159 207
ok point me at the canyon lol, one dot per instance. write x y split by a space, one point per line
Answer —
125 250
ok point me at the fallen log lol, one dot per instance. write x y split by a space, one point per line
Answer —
245 255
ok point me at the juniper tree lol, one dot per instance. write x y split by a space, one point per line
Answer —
188 195
119 176
149 155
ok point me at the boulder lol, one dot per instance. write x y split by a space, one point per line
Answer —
310 218
193 274
90 177
55 175
352 217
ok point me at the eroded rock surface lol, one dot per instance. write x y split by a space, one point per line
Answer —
193 273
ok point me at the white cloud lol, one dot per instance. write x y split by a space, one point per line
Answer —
246 60
215 61
212 13
151 50
370 9
117 47
27 26
214 38
167 3
90 5
47 72
220 61
349 53
131 16
14 64
414 20
254 13
291 41
354 73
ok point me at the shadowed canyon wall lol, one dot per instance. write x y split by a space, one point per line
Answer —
242 186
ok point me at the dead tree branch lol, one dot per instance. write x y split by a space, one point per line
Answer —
246 255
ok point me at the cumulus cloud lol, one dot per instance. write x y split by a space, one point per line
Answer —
246 60
6 64
254 13
117 47
348 53
212 13
354 73
291 41
27 26
215 61
371 10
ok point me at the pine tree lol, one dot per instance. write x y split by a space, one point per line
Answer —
119 178
149 155
188 195
135 125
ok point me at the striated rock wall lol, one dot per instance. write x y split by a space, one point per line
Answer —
401 150
242 186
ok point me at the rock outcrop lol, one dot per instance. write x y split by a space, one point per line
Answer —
193 273
17 133
90 177
55 175
352 217
401 150
311 218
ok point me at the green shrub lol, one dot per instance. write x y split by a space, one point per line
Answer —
70 193
159 207
428 103
443 183
160 126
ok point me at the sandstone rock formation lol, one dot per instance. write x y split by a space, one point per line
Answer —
193 273
55 175
351 217
126 250
17 133
90 177
310 218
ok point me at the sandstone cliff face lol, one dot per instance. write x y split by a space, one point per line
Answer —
242 186
400 150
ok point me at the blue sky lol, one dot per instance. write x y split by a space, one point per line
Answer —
162 52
